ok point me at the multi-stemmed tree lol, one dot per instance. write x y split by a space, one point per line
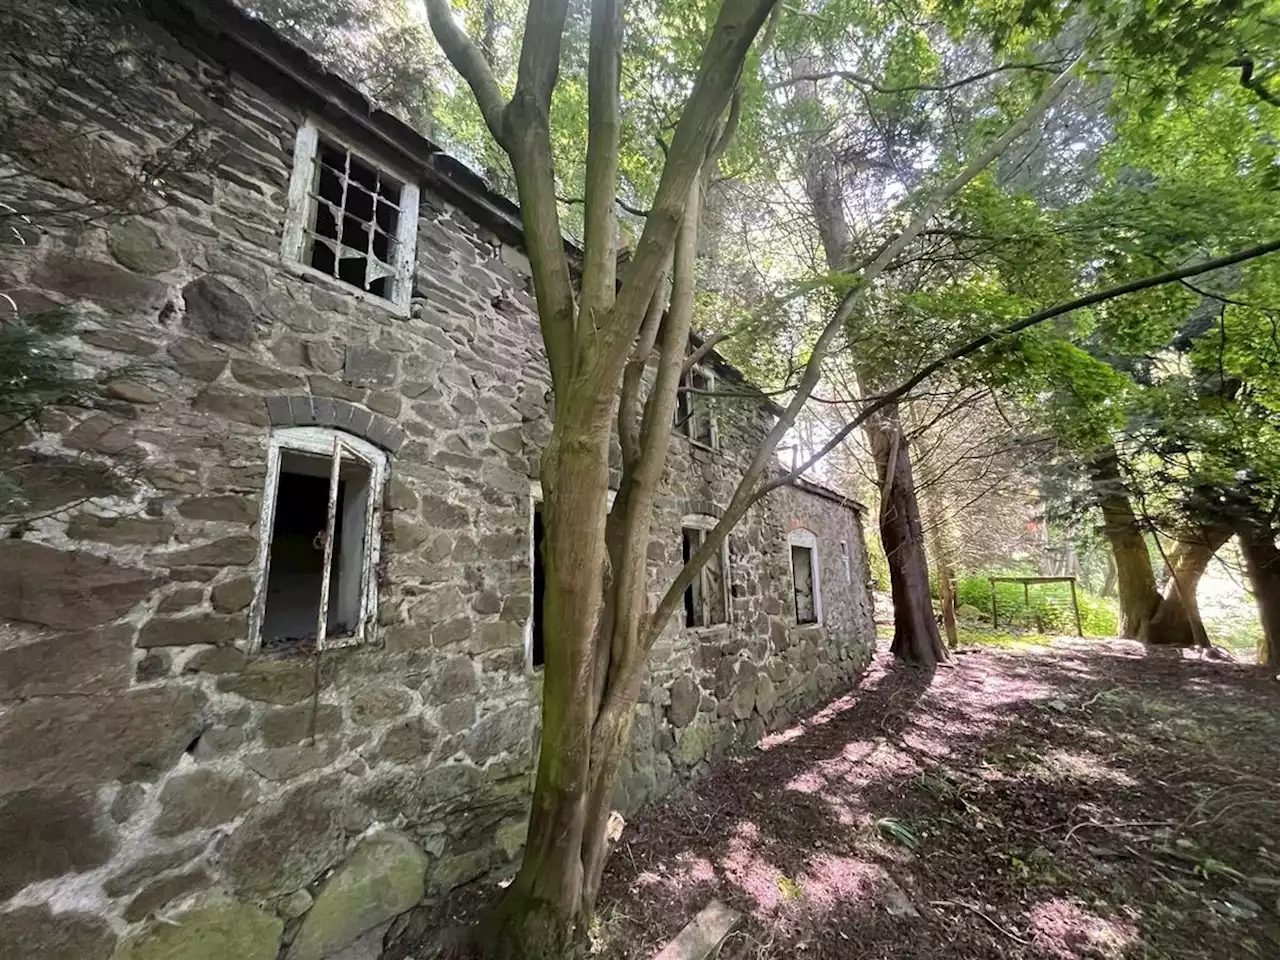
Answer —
617 341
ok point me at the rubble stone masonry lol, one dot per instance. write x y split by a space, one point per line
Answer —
151 764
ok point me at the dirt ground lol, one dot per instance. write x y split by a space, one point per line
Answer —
1082 801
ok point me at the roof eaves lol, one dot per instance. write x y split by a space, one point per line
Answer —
260 52
820 490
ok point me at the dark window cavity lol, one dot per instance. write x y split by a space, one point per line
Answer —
802 574
704 599
296 569
354 216
538 653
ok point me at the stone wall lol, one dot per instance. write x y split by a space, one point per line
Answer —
150 768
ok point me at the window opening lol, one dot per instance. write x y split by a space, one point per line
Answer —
537 647
355 213
705 600
319 558
844 557
802 574
694 417
350 219
534 634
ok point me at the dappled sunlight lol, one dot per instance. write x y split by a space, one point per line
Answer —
1017 805
1082 767
686 871
1064 930
833 879
755 877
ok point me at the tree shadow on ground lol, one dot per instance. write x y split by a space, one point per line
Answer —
1074 802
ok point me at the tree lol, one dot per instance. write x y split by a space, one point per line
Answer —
598 341
617 341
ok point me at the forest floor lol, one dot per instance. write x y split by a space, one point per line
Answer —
1085 799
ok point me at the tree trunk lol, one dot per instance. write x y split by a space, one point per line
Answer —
1109 579
1135 578
940 548
915 631
1262 563
538 915
1177 622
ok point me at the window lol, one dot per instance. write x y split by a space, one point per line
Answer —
534 639
694 416
317 562
844 557
804 576
706 600
350 219
537 647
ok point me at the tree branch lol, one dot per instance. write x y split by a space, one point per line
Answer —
698 355
540 54
735 30
630 208
986 339
859 80
469 60
1255 85
600 247
745 495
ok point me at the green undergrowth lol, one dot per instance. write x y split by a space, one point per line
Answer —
1003 640
1049 610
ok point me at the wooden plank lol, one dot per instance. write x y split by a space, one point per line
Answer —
703 935
1032 579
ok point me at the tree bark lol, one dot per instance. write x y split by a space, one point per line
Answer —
1135 578
915 630
940 548
1109 579
1177 621
1262 564
538 914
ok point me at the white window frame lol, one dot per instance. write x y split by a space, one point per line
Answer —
323 442
702 521
844 556
686 428
535 498
806 538
298 217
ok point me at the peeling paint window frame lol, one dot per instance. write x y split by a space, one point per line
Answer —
323 442
301 212
807 540
704 522
692 407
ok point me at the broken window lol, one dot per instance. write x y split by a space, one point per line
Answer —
350 219
694 416
317 585
706 600
804 576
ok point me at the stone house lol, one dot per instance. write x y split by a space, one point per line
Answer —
321 355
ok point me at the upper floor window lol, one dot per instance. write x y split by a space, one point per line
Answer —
805 580
350 218
694 416
318 558
706 600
